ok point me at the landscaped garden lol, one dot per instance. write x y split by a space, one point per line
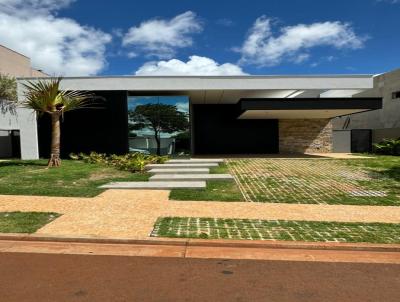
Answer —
255 229
74 178
371 181
24 222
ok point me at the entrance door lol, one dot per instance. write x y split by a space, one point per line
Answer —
10 146
361 140
15 144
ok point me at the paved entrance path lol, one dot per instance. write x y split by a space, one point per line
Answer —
131 214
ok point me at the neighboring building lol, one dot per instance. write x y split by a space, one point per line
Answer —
357 132
13 64
226 114
17 65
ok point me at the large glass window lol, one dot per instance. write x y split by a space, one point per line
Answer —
159 125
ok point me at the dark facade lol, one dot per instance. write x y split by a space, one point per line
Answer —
217 130
102 129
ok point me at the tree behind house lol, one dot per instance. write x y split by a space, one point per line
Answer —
8 94
160 118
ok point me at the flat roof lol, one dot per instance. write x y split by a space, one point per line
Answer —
212 76
205 83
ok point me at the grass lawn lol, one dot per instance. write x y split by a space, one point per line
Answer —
73 178
24 222
370 181
216 189
254 229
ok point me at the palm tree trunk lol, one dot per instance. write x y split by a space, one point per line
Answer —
55 160
158 142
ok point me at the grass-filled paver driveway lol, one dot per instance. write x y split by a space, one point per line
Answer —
256 229
74 178
371 181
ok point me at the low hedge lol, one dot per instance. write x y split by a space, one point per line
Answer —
134 162
387 147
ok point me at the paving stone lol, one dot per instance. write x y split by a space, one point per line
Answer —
195 160
181 166
180 171
190 177
368 193
155 185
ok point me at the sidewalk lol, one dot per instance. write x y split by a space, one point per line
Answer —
131 214
206 249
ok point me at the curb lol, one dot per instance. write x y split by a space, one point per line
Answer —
260 244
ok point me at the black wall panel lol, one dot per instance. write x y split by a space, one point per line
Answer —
216 130
361 140
104 129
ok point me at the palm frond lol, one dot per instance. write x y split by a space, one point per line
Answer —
45 96
73 100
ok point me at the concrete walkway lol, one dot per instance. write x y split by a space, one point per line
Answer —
175 174
131 214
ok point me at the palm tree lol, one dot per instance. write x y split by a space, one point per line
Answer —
45 97
8 94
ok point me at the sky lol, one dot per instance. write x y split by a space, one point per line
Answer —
193 37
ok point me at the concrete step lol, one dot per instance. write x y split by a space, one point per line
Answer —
190 177
155 185
195 160
180 166
180 171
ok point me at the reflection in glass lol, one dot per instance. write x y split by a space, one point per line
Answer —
159 125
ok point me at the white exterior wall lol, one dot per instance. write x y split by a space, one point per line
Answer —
25 121
386 118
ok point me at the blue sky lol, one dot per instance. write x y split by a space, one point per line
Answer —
87 37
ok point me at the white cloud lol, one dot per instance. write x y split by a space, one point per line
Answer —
160 38
131 54
196 65
262 48
389 1
182 106
225 22
302 57
59 46
33 6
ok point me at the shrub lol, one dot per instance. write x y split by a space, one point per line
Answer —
387 147
133 162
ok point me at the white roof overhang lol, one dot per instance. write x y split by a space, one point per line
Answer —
225 89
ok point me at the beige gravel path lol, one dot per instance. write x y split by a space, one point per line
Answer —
340 155
132 213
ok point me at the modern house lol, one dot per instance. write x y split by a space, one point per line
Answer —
14 64
225 114
357 132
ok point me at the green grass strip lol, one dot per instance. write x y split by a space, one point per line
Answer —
255 229
24 222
